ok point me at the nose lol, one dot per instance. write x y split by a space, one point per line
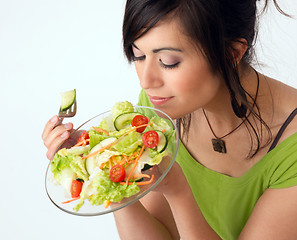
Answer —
149 75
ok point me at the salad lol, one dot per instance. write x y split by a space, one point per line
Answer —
109 160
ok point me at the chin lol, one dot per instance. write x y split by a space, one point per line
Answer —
171 112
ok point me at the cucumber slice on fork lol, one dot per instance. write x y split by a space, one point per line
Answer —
68 106
68 99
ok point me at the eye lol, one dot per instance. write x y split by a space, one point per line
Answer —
137 54
138 58
169 65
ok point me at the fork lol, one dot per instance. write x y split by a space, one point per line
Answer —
70 112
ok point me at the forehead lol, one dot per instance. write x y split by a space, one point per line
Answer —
167 32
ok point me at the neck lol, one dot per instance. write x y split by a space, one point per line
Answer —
219 111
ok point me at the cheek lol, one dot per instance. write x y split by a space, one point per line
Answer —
188 84
198 83
189 81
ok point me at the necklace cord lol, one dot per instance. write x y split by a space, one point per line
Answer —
213 131
239 124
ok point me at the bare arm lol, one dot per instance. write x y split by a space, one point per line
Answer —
149 219
190 221
274 216
154 217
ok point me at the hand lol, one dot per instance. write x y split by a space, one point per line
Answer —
174 182
53 136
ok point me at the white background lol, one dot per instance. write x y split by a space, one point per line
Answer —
47 47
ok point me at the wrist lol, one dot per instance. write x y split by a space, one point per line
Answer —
174 184
189 219
180 191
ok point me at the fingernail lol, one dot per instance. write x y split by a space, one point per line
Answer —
68 125
54 119
48 155
64 134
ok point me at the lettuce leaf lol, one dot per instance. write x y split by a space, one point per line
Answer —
70 162
96 137
129 143
156 157
112 191
121 107
100 188
160 124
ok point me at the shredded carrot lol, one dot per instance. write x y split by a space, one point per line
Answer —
141 175
164 130
146 182
139 183
125 160
98 151
136 163
131 156
115 142
107 203
114 159
102 165
100 130
84 142
71 200
130 162
78 144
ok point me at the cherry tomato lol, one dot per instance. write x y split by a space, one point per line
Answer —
117 173
139 120
150 139
76 187
84 135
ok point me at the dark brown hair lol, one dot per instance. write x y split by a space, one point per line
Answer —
214 25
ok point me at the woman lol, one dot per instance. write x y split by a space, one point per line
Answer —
236 171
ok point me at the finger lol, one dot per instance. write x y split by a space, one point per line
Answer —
56 143
54 133
50 125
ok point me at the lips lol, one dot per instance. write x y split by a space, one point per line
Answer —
155 100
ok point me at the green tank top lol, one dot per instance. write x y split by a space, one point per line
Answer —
227 202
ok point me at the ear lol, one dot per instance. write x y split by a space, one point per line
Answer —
239 47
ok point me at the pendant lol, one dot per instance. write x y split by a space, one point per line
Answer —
218 145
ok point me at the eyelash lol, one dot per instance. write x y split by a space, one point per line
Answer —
168 66
138 58
172 66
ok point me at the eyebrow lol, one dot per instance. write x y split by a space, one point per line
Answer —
167 49
161 49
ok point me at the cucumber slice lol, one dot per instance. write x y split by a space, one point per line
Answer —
91 162
78 150
67 175
162 142
68 99
124 120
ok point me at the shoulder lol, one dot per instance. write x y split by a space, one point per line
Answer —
274 216
284 102
284 96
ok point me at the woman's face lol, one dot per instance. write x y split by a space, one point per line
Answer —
174 74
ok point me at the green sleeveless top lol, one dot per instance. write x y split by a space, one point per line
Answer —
227 202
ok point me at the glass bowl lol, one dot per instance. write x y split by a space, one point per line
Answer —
56 193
